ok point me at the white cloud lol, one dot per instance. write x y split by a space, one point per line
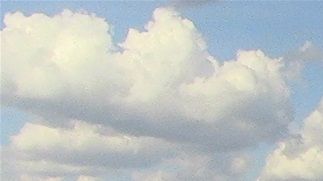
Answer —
158 100
162 83
38 139
299 157
41 150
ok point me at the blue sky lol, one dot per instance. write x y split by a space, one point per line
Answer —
277 28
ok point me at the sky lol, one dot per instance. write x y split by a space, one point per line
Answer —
161 90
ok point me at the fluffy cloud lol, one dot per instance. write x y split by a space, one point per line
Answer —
157 100
161 82
39 152
300 157
83 145
81 149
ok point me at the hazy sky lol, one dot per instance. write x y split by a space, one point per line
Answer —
160 90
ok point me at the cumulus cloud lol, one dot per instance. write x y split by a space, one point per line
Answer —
82 145
39 152
300 157
157 100
162 83
81 149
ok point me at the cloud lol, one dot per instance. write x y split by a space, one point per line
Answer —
81 149
87 178
29 178
163 83
299 157
310 52
157 106
83 145
198 167
296 60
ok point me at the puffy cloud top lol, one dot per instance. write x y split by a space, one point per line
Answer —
161 81
157 100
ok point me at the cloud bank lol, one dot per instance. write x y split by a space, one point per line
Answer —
162 84
157 100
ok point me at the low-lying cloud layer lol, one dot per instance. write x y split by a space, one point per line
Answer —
158 100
